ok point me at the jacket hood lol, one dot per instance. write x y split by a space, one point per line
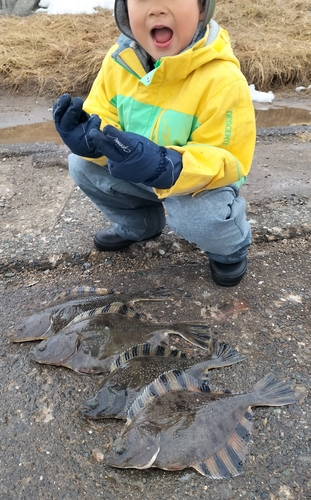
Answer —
214 45
122 20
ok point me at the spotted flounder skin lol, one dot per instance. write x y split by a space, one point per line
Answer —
73 306
91 345
139 365
178 422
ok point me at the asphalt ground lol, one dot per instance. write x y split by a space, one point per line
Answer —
48 451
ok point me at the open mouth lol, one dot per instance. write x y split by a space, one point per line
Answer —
161 35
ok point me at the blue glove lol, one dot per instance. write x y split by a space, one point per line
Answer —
73 124
133 158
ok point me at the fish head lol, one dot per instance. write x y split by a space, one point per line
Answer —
32 328
55 350
108 402
136 448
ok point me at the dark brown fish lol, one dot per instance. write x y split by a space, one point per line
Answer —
178 422
50 320
91 345
138 366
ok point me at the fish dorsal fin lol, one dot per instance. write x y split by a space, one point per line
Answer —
113 308
229 459
174 380
83 291
143 350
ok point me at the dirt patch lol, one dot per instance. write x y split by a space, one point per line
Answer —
50 450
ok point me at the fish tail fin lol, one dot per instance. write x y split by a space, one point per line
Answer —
275 392
195 333
157 294
223 355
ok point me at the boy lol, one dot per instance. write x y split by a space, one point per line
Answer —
170 115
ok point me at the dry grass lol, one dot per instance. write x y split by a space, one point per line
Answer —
271 38
49 55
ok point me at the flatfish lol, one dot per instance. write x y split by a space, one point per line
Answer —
70 306
141 364
178 422
92 344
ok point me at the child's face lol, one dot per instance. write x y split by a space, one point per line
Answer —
164 27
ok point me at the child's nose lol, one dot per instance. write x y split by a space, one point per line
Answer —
158 9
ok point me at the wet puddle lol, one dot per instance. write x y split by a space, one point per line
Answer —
36 132
282 117
45 131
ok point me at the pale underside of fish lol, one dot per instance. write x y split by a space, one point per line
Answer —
178 423
73 306
140 365
91 345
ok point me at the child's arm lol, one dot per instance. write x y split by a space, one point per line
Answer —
220 150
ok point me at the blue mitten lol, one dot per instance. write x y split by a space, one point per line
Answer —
73 124
134 158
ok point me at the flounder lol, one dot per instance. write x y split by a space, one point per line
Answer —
91 345
178 422
138 366
70 306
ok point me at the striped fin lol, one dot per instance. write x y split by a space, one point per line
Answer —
195 333
228 461
114 307
227 355
82 290
143 350
159 293
274 392
174 380
223 355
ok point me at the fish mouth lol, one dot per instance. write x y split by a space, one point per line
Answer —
90 413
161 36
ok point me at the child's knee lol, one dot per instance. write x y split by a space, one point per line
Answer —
76 167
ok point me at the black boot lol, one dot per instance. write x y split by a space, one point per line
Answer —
228 274
106 240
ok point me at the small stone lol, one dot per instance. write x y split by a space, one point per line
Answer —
86 265
305 459
97 455
286 472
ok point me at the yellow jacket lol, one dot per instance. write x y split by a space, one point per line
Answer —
197 102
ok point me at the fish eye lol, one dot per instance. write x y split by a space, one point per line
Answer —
94 404
120 449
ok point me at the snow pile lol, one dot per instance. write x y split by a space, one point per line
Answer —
73 6
261 96
299 89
